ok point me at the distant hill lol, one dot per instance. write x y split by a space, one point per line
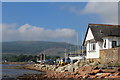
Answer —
35 47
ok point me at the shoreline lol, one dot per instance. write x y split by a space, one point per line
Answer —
14 76
85 72
13 62
78 70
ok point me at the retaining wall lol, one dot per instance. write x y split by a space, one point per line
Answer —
110 55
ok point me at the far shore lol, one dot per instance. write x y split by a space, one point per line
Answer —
13 62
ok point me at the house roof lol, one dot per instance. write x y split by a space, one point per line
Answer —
103 30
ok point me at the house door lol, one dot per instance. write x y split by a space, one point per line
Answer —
114 44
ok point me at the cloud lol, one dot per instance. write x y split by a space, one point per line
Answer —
71 8
118 13
0 38
28 32
107 10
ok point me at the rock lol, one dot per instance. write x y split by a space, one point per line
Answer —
105 74
76 69
86 76
96 67
43 65
117 69
54 68
93 76
99 74
96 71
101 66
114 77
43 68
76 64
116 74
69 76
82 64
58 75
59 69
109 70
70 68
91 64
78 76
84 70
86 65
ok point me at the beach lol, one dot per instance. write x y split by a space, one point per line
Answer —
72 71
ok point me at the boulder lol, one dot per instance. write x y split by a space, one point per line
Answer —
99 74
78 76
93 76
86 65
76 69
76 64
116 74
104 75
69 76
116 77
96 71
84 70
70 68
83 63
59 69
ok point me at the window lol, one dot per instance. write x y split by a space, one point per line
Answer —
92 46
114 44
104 43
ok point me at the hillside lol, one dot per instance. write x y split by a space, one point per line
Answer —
35 47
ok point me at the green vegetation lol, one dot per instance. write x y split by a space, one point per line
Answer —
23 51
117 64
25 58
35 47
20 58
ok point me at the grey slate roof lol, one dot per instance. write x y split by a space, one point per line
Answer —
103 30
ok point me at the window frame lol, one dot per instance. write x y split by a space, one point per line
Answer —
104 44
92 46
113 46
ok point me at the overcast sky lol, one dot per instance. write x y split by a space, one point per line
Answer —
25 21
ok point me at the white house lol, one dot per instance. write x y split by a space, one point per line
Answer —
100 36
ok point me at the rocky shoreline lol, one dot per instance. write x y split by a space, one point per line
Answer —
78 70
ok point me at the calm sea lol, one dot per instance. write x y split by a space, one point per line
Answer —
13 73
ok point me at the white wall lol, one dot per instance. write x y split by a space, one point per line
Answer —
99 45
89 35
93 54
109 41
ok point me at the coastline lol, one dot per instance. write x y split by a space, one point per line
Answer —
13 62
11 71
78 70
83 72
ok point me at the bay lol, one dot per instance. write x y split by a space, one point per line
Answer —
9 72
